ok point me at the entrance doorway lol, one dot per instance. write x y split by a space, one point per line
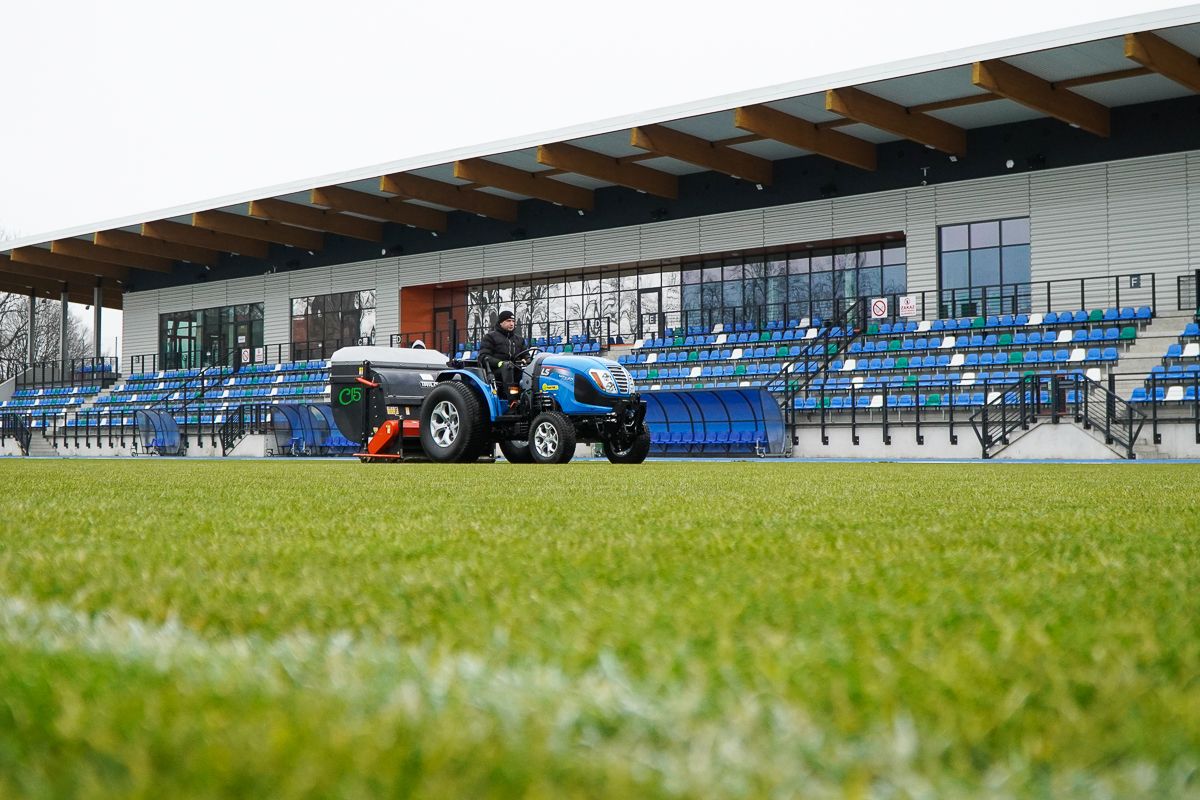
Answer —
650 322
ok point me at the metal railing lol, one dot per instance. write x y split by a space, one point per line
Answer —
16 427
836 334
81 429
1014 410
1067 294
242 422
1185 292
72 372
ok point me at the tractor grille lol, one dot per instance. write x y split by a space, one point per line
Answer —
622 377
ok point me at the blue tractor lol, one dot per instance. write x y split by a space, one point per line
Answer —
399 403
564 399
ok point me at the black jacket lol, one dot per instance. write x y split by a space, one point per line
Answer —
500 345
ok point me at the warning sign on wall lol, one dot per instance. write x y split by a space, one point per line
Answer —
908 306
879 308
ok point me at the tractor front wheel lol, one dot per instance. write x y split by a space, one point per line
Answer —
452 423
551 438
516 451
633 452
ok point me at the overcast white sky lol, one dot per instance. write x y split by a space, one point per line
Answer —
115 108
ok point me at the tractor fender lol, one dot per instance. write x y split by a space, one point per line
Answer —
479 385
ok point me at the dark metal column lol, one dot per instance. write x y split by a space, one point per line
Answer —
97 299
64 303
31 350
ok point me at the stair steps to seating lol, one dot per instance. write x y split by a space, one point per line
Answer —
40 446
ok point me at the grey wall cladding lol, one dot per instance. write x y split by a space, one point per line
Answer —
672 239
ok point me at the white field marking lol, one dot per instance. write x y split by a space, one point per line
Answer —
673 734
687 737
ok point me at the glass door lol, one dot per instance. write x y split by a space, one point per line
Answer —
649 313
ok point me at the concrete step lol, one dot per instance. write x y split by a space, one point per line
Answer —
41 447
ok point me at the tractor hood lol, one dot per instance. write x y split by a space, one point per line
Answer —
578 363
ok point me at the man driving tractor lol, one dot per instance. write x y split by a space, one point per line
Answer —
498 350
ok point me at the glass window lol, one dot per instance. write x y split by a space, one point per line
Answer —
1015 231
991 253
985 234
1016 263
870 282
798 264
985 266
732 295
821 261
869 256
954 237
210 336
956 272
327 322
894 253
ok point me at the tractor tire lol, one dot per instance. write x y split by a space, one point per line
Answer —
551 438
516 452
634 453
453 428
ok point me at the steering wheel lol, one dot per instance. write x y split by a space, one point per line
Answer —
526 355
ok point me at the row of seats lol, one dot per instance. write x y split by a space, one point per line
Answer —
933 379
1077 336
710 339
1174 380
901 401
717 441
1059 356
55 391
728 354
1033 320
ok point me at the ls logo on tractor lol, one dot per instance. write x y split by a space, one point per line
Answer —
349 395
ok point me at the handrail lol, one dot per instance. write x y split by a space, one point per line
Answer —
240 422
18 427
848 323
1035 396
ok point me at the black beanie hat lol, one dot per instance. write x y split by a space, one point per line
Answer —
506 315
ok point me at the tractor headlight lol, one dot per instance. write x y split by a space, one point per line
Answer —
604 380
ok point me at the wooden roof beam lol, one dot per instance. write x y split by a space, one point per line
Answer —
1002 78
77 248
178 233
74 280
385 208
416 187
857 105
530 184
671 143
1157 54
118 239
569 158
317 219
39 257
773 124
264 230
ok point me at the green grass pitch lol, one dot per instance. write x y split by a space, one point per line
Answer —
327 629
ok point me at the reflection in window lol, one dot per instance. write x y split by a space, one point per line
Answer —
984 268
323 323
210 336
755 288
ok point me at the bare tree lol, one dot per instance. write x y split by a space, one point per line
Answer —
14 329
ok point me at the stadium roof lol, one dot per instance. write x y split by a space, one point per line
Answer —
1074 75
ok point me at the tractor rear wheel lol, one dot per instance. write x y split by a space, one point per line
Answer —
452 423
516 451
634 452
551 438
